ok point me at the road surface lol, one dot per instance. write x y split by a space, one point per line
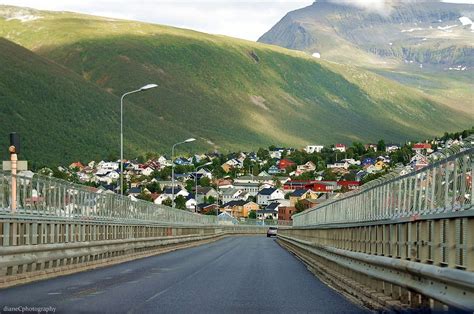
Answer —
232 275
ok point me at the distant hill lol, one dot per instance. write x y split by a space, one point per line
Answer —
425 44
230 94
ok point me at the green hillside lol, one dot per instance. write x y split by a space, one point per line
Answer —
60 116
228 93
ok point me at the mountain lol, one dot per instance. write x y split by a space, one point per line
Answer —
424 44
60 116
230 94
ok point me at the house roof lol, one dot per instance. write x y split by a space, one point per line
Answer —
135 190
272 206
235 203
170 191
267 191
299 192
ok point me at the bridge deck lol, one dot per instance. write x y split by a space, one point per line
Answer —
238 274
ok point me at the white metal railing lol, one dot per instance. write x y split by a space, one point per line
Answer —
442 187
50 197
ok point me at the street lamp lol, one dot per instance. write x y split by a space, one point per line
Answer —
195 181
189 140
144 88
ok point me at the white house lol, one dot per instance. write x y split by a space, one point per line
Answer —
340 147
265 195
168 193
343 165
114 175
310 149
147 171
233 195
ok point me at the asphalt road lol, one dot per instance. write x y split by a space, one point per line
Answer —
233 275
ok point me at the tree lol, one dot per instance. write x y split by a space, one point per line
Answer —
145 197
167 202
180 202
204 181
299 206
209 200
263 154
381 146
328 175
154 187
253 214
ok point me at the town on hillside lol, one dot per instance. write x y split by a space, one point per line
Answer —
269 184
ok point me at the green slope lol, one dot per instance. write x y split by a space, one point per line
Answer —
228 93
60 116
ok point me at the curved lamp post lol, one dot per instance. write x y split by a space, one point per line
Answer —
144 88
189 140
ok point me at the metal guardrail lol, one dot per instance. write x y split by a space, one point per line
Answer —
442 187
50 197
41 196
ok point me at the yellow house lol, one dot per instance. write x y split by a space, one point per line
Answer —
302 194
379 165
240 209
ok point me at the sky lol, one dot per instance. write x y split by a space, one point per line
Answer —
242 19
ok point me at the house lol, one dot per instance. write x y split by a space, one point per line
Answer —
310 149
302 194
420 148
146 171
380 165
240 209
274 170
226 219
113 175
307 167
250 188
76 165
323 186
339 165
134 191
419 161
340 147
168 194
207 208
276 153
224 184
227 167
191 203
181 161
390 148
267 214
204 173
293 185
205 192
285 212
370 146
266 195
367 161
283 164
233 194
349 185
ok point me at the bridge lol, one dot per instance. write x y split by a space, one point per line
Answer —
399 243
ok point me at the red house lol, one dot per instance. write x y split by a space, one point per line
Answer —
285 163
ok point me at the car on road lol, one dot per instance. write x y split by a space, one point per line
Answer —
272 231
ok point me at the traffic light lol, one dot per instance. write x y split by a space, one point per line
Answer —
14 143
